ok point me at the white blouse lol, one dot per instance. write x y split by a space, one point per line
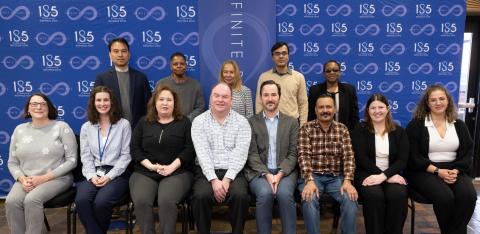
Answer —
442 149
382 149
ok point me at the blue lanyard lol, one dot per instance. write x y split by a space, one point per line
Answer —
102 151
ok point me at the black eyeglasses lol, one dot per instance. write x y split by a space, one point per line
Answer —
331 71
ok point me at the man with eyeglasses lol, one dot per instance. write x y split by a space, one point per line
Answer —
344 95
294 100
189 90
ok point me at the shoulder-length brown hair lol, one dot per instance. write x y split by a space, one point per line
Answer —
52 111
152 113
237 81
422 110
115 113
390 126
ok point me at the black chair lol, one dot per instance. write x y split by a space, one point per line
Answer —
414 196
67 198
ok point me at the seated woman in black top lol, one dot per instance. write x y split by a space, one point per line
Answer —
441 152
163 151
381 153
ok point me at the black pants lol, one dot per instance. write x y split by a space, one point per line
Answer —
384 207
453 204
238 201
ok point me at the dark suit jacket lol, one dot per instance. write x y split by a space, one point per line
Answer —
348 112
139 90
363 143
287 132
419 145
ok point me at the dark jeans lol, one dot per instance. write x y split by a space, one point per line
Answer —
238 201
95 204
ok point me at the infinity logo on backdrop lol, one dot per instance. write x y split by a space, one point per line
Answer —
410 107
316 29
372 29
361 106
89 13
343 48
4 137
425 68
157 12
179 39
289 10
58 38
450 86
14 112
61 88
344 10
427 29
400 10
370 68
292 48
79 113
78 63
158 62
3 89
21 12
25 61
397 49
306 68
127 35
456 10
6 185
396 87
453 48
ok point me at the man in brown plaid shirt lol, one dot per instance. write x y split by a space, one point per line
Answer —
327 165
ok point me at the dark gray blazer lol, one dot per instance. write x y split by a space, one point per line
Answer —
287 133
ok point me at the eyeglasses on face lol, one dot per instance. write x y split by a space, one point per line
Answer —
331 71
38 104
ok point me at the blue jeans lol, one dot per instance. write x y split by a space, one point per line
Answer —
286 202
329 184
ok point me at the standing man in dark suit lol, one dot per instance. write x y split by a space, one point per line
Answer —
129 85
271 161
344 95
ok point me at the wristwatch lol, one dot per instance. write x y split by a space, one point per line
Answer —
435 172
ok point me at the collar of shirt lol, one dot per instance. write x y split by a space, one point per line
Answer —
268 118
429 122
289 72
120 69
225 122
318 125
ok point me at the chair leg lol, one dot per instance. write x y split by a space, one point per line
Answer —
46 222
412 216
183 210
69 219
74 218
336 215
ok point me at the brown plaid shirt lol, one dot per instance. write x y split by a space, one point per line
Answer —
325 152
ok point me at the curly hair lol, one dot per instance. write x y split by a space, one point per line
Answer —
422 110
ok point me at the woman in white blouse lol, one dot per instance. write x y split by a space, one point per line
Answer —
381 153
440 160
105 154
42 154
241 95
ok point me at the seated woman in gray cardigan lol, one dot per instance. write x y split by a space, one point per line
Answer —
42 154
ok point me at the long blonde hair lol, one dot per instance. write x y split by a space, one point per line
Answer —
237 81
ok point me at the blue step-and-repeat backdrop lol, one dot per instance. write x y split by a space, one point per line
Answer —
57 47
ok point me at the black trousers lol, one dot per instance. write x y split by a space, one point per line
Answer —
238 201
384 207
453 204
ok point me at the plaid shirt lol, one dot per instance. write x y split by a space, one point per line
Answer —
325 152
